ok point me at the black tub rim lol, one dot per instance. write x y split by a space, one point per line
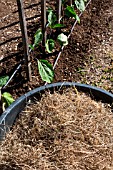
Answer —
8 117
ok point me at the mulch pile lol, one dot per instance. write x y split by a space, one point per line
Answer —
66 131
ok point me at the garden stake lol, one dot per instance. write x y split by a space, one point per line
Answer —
58 10
24 38
43 19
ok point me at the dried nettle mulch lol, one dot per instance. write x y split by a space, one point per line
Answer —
65 131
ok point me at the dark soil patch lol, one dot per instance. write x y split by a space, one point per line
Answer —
87 59
65 131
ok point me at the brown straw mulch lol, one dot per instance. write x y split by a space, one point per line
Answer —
68 131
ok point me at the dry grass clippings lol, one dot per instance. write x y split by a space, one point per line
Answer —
61 132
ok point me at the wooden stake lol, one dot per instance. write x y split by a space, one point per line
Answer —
59 3
43 18
23 27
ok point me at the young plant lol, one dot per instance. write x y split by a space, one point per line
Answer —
38 38
52 20
5 98
45 68
70 12
80 5
50 44
62 39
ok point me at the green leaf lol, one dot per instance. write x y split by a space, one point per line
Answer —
51 18
8 99
49 9
70 12
3 80
62 39
58 26
38 37
31 46
50 45
45 70
80 5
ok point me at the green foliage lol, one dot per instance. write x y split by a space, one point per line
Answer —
38 38
58 26
52 19
70 12
7 99
46 70
62 39
3 80
31 46
80 5
49 9
50 45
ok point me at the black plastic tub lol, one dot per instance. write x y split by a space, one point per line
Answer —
8 118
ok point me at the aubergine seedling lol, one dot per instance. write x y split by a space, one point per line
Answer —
62 39
70 12
52 20
50 44
37 39
6 98
45 68
80 4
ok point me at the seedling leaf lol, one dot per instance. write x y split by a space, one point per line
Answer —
8 99
31 46
38 37
50 45
3 80
62 39
58 26
45 70
80 5
51 18
70 12
49 9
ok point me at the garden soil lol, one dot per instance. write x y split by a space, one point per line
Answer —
88 58
67 131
